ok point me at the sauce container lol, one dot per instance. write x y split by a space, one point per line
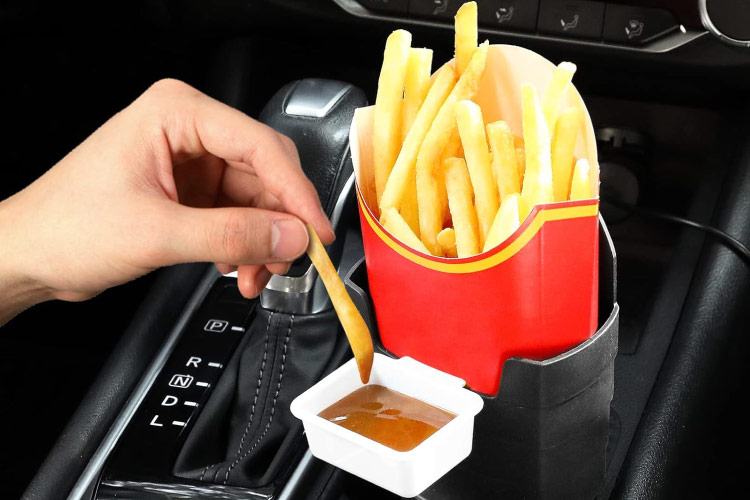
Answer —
405 473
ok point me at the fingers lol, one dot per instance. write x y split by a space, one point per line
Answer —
235 236
244 189
225 268
279 267
251 280
216 128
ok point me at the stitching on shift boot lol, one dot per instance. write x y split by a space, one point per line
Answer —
273 407
255 401
257 387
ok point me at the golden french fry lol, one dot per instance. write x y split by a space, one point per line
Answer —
460 194
397 226
409 209
537 181
452 65
430 208
416 85
430 221
466 35
473 137
504 161
563 147
442 196
555 93
580 188
505 223
453 149
521 162
398 180
447 240
354 326
386 129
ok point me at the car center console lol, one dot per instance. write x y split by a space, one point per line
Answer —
209 418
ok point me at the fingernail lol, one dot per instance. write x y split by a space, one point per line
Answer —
288 239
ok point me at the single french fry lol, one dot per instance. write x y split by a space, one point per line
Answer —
447 240
537 182
386 129
521 162
453 149
506 222
473 137
466 35
460 194
430 208
430 221
416 85
504 160
563 148
451 64
555 93
580 188
398 180
409 209
442 196
397 226
354 326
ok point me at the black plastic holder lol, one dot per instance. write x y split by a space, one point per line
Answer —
544 435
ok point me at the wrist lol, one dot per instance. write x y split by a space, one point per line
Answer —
18 290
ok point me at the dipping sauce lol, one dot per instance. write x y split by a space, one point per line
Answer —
396 420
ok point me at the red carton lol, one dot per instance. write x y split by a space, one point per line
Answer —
533 296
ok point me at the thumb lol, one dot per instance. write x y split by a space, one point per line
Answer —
236 236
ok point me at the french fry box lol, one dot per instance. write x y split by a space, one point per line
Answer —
534 296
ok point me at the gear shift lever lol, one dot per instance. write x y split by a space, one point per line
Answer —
246 436
315 114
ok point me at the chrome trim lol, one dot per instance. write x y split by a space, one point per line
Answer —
95 465
293 284
184 491
662 45
711 27
315 98
291 484
338 209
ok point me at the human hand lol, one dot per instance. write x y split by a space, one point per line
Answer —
174 177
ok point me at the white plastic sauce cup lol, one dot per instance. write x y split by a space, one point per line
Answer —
405 473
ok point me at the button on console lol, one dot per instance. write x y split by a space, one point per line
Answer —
508 14
576 19
435 9
636 25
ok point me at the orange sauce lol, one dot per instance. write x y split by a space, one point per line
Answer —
388 417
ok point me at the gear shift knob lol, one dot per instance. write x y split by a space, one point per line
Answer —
316 114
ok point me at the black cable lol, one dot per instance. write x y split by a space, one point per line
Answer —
729 241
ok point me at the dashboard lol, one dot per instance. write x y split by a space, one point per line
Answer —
652 27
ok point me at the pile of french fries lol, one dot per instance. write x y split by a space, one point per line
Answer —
449 185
